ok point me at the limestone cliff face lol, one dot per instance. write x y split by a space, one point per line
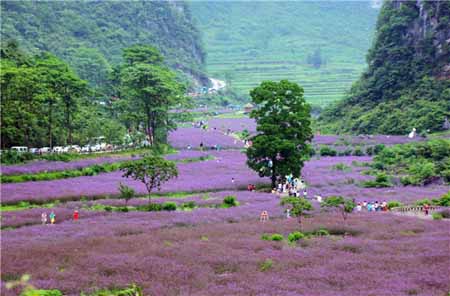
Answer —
432 25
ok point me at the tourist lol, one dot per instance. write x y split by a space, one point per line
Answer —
369 206
364 204
280 188
376 206
232 180
319 198
288 213
52 217
201 146
358 207
305 194
44 218
384 206
426 209
75 215
189 147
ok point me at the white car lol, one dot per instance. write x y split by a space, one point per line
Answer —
74 149
86 148
34 150
44 150
20 149
58 149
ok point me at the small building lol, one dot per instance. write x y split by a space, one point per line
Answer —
248 108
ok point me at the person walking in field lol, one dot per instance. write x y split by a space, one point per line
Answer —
426 209
76 215
52 218
44 218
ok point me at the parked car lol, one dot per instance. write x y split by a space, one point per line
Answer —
20 149
74 149
58 149
44 150
86 149
34 150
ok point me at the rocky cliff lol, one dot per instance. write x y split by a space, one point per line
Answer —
406 83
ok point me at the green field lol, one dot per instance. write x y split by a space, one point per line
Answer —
248 42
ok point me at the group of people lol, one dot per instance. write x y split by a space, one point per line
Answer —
52 217
372 206
292 186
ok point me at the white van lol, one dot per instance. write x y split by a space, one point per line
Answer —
20 149
58 149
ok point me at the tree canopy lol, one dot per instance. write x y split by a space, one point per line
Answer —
283 130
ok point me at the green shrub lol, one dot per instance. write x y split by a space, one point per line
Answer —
443 201
394 204
33 292
276 237
123 209
265 236
230 201
189 205
327 151
342 167
378 148
295 236
369 151
126 192
169 206
266 265
321 232
108 209
358 152
423 202
381 180
437 216
153 207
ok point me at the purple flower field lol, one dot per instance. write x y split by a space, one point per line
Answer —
202 254
50 166
182 137
219 251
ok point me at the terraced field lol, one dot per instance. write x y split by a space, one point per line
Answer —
251 42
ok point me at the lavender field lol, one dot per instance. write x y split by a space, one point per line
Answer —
214 250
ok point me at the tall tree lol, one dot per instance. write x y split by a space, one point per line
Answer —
283 130
151 88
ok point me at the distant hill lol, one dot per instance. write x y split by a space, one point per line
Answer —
90 35
407 83
248 42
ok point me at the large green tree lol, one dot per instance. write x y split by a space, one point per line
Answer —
150 89
283 130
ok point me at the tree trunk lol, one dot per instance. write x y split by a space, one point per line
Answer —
274 177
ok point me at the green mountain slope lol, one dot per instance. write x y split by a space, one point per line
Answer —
90 35
407 83
248 42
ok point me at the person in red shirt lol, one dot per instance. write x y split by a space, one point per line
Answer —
426 208
75 215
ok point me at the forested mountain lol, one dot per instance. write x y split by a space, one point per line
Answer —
90 35
319 44
407 83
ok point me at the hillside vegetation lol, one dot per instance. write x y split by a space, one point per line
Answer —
320 45
407 83
90 35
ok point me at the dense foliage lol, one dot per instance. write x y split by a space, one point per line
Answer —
90 35
407 82
417 163
283 130
45 103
